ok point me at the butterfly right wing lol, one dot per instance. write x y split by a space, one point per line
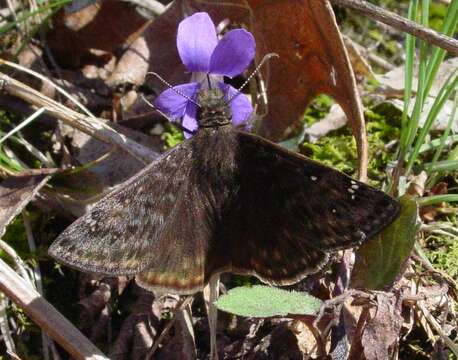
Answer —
290 211
135 226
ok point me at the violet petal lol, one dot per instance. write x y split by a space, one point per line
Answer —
241 107
189 120
196 40
174 104
233 53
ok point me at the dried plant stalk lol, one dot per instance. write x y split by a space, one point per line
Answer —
94 127
46 316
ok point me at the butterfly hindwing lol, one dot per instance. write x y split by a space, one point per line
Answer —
184 244
137 227
291 210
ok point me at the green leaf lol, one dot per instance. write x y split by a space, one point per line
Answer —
379 260
265 301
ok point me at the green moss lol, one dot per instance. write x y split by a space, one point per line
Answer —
317 109
437 14
172 136
337 151
338 148
442 251
16 238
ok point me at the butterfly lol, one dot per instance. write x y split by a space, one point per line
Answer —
224 201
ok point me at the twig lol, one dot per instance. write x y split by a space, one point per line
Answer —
436 326
46 316
94 127
5 327
419 256
13 356
23 124
151 5
46 80
398 22
211 292
36 275
21 266
377 60
47 161
185 302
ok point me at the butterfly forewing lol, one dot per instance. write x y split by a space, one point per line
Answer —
137 226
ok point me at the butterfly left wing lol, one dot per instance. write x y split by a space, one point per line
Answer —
137 227
290 211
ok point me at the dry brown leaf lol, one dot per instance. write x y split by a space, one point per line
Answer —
358 59
381 333
17 191
160 36
117 167
182 344
138 330
133 65
104 27
313 59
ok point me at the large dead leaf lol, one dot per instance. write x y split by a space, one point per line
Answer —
313 59
17 191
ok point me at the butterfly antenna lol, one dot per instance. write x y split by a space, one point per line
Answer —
172 88
264 59
166 116
209 82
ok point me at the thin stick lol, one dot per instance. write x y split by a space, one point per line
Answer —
46 316
436 326
37 276
5 327
46 80
21 266
94 127
211 293
401 23
27 121
185 302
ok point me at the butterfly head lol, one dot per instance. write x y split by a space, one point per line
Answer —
213 110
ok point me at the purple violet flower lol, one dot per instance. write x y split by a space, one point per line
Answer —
203 55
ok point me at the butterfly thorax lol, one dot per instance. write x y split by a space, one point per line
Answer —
214 111
215 161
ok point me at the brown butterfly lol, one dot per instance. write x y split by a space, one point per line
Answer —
224 201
